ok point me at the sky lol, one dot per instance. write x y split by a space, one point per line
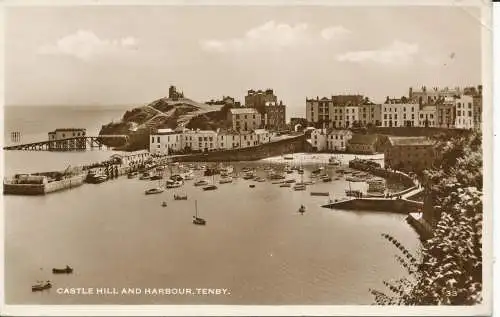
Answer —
130 55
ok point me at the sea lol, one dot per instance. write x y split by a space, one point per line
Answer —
255 245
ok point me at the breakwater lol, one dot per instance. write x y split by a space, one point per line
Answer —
18 187
289 145
48 182
402 206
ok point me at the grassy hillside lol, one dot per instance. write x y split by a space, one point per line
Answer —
163 113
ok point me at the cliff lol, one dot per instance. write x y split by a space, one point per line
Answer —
163 113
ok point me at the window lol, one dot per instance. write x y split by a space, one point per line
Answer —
74 132
470 105
459 113
158 139
396 116
385 116
152 139
421 116
470 113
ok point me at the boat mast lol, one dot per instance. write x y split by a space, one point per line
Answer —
196 208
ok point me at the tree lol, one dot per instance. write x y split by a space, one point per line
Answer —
449 269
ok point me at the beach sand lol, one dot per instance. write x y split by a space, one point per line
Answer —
321 158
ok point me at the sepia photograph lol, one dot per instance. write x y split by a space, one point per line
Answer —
210 157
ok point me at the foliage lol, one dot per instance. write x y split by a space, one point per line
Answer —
449 271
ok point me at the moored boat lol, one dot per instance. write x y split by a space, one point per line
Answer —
226 180
180 197
40 286
156 177
286 185
66 270
210 187
302 209
132 175
145 176
197 220
152 191
201 183
95 178
173 184
326 179
299 187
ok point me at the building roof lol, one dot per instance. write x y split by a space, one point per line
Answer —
69 129
363 139
409 141
243 111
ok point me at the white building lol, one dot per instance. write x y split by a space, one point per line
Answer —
398 113
464 118
166 141
248 139
336 140
60 134
228 140
200 140
428 116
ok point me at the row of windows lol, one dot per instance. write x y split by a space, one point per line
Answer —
431 116
460 113
245 116
459 105
396 109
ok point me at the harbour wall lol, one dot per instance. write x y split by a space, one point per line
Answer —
290 145
44 188
402 206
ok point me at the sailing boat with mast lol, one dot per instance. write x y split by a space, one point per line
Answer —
301 185
197 220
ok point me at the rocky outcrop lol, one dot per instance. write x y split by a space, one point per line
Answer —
139 122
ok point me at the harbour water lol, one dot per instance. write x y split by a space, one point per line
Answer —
255 243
